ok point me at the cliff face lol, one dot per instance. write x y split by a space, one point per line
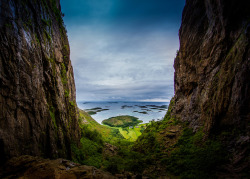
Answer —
212 75
37 96
212 67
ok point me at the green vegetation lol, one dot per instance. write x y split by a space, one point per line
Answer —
132 133
47 35
168 144
91 112
173 146
111 135
52 115
57 12
63 74
92 148
47 22
52 5
95 110
189 156
66 93
65 51
72 103
125 160
122 121
193 157
37 39
94 137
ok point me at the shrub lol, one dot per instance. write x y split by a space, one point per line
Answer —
194 158
90 150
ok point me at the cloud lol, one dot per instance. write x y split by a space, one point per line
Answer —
125 51
155 100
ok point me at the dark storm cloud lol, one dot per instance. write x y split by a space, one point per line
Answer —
123 49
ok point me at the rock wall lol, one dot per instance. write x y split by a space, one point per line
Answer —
212 67
38 113
212 76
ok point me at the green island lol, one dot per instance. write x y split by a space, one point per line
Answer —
94 111
122 121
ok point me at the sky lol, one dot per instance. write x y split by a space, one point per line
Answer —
123 50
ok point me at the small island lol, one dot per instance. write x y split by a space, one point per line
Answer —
122 121
95 110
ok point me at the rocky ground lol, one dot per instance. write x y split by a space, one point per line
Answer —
34 167
31 167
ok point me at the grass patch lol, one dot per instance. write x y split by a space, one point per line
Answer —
132 134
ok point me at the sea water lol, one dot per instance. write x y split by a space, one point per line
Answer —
145 111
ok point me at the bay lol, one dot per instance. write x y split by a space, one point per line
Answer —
145 111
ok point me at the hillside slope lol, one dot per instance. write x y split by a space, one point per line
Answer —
109 134
37 98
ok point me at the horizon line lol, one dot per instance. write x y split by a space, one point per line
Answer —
122 101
